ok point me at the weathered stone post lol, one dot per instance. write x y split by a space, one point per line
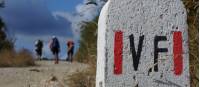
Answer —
143 43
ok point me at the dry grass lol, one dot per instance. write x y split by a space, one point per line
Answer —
86 54
82 78
16 59
86 78
192 7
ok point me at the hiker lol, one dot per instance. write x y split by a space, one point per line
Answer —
55 48
38 49
70 50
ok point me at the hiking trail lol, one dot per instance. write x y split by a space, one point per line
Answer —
36 76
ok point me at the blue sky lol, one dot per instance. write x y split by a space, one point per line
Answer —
63 5
29 20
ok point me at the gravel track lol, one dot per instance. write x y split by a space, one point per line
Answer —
34 76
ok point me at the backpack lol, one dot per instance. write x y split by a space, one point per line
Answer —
55 44
39 44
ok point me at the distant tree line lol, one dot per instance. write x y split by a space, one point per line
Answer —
5 43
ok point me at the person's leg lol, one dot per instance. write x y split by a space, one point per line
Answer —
40 54
37 54
70 57
56 56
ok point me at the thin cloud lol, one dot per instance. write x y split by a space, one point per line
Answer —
84 12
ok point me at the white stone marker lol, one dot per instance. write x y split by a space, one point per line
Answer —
143 43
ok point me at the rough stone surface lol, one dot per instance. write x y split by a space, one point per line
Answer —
100 77
149 18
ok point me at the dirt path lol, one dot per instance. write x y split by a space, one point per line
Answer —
33 76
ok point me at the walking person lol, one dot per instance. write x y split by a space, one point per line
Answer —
55 48
38 49
70 50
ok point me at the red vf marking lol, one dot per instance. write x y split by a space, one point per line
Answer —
177 50
118 48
